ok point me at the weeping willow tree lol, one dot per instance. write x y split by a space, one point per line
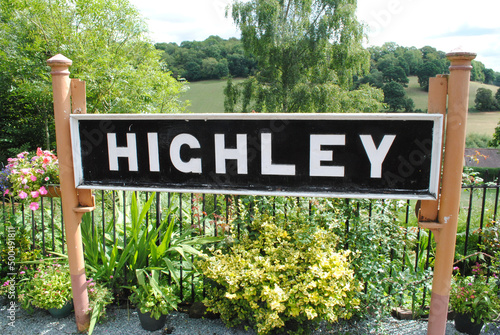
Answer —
308 52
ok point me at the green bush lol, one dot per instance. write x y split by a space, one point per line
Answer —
283 271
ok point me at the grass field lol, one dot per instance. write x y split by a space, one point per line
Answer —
208 97
205 96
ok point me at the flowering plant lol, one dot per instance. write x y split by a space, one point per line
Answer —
475 295
99 297
28 175
49 286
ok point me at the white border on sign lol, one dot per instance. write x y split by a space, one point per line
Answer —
436 154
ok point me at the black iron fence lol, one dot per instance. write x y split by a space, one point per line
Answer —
216 215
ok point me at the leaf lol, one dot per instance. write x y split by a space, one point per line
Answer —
139 273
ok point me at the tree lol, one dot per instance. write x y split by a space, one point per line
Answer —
395 97
489 76
484 100
413 58
426 71
105 39
477 72
495 141
397 74
375 78
306 50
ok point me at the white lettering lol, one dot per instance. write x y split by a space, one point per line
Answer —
239 153
130 152
191 166
318 156
154 159
268 168
377 155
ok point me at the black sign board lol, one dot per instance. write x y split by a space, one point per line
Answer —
333 155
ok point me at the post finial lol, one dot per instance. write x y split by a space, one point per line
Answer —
460 60
59 65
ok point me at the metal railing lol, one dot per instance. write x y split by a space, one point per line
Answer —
213 214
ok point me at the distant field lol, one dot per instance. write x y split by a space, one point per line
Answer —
420 97
477 122
205 96
208 97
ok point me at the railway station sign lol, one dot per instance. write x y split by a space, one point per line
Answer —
327 155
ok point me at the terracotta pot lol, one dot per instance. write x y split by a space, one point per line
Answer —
53 191
464 324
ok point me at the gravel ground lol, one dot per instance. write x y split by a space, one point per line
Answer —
123 321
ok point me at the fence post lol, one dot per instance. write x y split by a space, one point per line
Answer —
69 197
458 100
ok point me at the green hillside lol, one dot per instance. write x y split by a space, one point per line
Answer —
205 96
420 97
208 97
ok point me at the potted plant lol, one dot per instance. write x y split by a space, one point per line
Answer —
49 288
475 300
28 176
154 300
99 297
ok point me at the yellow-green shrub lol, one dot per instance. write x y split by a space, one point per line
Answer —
283 270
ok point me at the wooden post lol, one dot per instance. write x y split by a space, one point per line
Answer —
438 93
69 196
458 101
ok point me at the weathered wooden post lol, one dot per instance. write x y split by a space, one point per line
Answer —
69 197
458 100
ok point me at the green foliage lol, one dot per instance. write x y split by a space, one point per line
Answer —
99 297
427 70
305 50
484 100
49 286
153 296
149 244
475 140
395 97
375 78
383 250
16 242
477 72
475 296
284 269
105 39
213 58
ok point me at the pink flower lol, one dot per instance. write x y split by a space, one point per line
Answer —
22 272
24 181
43 190
46 178
25 171
34 206
33 178
6 192
23 195
35 194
